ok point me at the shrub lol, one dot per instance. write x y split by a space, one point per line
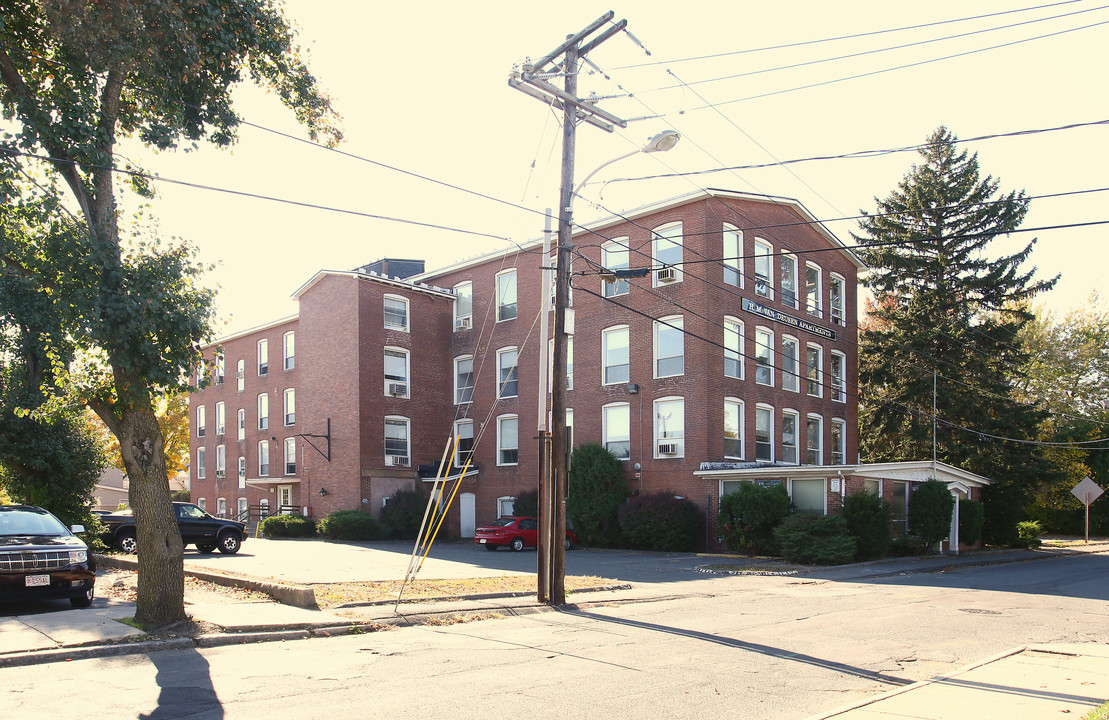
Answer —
971 517
351 525
930 509
815 540
660 521
868 522
597 489
287 526
749 515
1003 504
1028 534
526 504
404 513
907 545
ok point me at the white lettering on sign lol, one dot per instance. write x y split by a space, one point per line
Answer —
794 322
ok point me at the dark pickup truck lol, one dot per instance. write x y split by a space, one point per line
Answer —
197 528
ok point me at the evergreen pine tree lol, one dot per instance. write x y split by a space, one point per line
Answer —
942 306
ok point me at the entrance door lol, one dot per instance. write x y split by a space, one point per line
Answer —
467 506
284 497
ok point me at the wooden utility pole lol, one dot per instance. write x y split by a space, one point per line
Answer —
532 80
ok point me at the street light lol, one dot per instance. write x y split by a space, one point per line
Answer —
661 142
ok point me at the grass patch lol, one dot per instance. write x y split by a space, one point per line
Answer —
1100 713
330 595
130 620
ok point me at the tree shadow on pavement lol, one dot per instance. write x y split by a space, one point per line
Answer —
185 679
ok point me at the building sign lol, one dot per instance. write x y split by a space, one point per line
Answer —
781 317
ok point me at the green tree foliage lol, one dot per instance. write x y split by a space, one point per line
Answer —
815 540
749 515
971 517
404 513
597 488
77 79
930 510
943 306
868 522
660 521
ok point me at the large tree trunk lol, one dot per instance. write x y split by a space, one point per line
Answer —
160 551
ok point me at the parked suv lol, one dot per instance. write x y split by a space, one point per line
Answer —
41 559
197 528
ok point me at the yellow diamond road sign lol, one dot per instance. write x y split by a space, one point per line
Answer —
1087 491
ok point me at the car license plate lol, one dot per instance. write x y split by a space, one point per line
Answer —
37 580
481 541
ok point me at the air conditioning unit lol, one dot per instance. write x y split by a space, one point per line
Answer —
219 379
463 323
398 389
240 374
221 473
667 448
667 275
398 460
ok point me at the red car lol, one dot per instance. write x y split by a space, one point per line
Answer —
516 533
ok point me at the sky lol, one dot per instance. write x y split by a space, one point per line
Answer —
422 90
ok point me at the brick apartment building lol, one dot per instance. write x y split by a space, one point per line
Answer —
733 357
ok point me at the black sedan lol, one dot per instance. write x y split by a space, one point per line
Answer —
197 528
42 559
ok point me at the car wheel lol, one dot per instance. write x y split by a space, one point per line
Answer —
517 544
229 543
83 601
569 543
205 547
491 547
125 542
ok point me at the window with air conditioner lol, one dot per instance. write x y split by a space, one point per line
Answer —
463 305
669 427
506 295
221 418
240 376
397 448
396 372
666 253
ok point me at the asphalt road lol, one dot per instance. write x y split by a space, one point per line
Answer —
745 647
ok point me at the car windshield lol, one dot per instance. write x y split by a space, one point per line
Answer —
27 521
191 511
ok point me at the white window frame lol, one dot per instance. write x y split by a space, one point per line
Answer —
766 411
608 420
459 398
398 421
508 375
791 371
221 460
289 449
241 422
764 252
816 453
671 234
764 356
671 323
288 350
201 463
671 434
220 369
202 503
839 451
839 379
263 458
814 307
793 449
404 302
263 366
733 345
264 411
390 351
737 405
611 260
201 420
243 505
732 252
501 448
824 492
814 383
221 419
506 506
242 471
788 260
289 406
221 507
240 375
837 311
463 291
459 454
502 289
606 334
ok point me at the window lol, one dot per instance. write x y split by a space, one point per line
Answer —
290 407
815 435
616 429
839 363
290 456
617 359
764 356
242 471
463 380
506 295
263 411
764 433
507 380
463 305
396 373
874 487
835 300
201 463
508 440
815 382
791 377
219 369
614 256
221 461
569 363
243 509
506 506
789 280
263 357
263 458
839 442
221 507
201 421
396 313
669 427
240 375
221 418
202 503
812 289
666 252
733 428
789 436
808 496
464 450
763 285
733 251
242 424
288 348
396 441
733 348
669 347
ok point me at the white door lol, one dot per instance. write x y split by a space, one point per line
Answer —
284 495
467 506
